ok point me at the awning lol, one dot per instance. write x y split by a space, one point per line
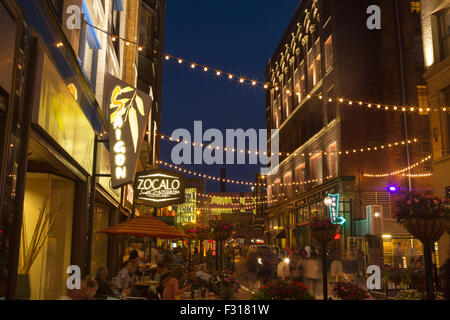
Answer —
281 234
145 226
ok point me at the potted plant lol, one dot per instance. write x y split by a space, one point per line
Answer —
349 291
222 230
323 230
426 218
283 290
225 285
30 249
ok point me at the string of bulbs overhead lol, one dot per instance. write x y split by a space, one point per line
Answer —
252 82
346 152
398 171
202 175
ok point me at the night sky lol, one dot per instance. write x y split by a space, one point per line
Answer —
236 36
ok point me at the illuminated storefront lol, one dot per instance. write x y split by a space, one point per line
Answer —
186 212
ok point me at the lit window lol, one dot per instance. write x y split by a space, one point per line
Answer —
318 64
422 96
300 177
332 159
287 181
415 6
329 53
315 168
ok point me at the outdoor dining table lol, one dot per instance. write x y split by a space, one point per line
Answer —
146 283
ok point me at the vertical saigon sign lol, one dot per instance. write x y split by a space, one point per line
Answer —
128 111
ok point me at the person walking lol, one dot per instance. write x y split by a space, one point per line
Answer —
398 256
313 274
283 269
252 270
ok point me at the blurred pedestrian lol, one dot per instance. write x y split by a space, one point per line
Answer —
283 269
252 269
313 274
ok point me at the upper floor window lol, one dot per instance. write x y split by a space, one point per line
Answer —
300 83
315 168
332 159
288 97
444 33
300 177
329 53
287 182
318 63
422 96
415 6
311 69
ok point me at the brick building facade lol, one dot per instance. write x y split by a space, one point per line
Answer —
328 52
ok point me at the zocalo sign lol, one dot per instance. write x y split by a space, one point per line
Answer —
128 116
159 188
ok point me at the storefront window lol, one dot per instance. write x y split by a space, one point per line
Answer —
47 213
402 252
99 257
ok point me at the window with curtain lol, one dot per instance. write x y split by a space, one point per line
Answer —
315 168
329 53
287 181
311 70
332 159
300 177
289 98
317 62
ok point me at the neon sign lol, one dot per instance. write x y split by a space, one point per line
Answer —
332 201
128 113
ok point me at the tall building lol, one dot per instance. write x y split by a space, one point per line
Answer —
436 45
55 164
327 54
150 68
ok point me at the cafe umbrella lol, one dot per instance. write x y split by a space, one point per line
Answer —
146 227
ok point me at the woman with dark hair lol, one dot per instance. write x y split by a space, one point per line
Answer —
171 285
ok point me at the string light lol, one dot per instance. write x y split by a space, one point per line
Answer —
279 184
345 152
205 175
266 86
398 171
417 175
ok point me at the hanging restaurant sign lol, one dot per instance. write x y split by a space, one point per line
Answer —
128 115
159 188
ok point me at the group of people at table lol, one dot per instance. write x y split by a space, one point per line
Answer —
160 279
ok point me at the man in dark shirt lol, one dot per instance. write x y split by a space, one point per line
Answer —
104 288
